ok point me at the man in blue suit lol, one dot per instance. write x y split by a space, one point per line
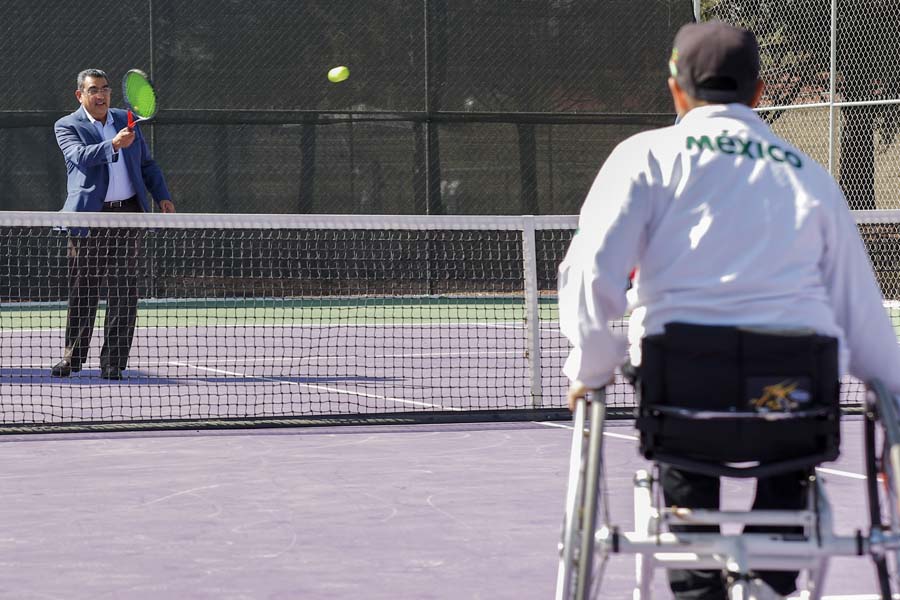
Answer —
109 169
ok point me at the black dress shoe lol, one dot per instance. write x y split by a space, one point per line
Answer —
110 373
64 368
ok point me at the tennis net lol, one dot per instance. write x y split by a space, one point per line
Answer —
247 320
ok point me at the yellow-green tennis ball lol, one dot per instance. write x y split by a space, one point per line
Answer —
338 74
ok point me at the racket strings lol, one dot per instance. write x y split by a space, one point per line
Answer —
139 94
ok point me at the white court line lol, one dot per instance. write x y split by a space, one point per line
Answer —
316 387
622 436
552 424
841 473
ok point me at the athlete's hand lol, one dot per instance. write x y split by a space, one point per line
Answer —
576 390
123 139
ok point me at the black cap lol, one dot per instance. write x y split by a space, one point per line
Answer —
716 62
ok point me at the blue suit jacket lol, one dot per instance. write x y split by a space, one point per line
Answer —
87 157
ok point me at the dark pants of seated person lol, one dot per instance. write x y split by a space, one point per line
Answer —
691 490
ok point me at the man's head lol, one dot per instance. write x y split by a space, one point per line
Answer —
714 63
94 92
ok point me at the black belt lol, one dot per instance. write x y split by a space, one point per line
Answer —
120 203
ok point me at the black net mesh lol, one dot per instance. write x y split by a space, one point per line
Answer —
292 318
269 319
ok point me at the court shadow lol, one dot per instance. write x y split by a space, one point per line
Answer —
28 376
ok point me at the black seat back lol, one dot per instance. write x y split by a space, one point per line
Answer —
749 396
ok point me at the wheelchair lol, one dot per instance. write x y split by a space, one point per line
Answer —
677 420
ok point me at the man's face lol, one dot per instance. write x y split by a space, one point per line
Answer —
94 97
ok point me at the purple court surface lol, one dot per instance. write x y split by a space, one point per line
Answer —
245 372
449 512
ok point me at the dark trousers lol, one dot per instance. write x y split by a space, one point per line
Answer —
691 490
103 263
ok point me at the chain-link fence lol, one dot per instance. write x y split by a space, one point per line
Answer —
832 70
452 106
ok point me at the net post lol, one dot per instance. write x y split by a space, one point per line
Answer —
532 310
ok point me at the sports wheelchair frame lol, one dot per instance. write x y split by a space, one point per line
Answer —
588 537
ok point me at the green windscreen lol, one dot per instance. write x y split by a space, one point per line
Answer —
140 95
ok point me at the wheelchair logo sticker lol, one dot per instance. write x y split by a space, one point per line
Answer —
783 396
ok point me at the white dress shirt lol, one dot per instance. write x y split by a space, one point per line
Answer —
728 224
120 187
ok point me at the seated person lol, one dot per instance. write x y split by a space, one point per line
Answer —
726 224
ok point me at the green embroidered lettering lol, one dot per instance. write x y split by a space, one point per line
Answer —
725 143
744 148
793 159
703 143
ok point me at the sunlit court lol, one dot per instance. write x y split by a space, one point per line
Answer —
287 307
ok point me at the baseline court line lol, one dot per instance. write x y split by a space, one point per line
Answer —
317 387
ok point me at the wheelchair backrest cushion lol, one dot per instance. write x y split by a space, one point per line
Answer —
738 370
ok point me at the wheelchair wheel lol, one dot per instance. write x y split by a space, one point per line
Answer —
891 516
882 486
581 568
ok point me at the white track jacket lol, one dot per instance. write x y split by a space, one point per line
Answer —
727 224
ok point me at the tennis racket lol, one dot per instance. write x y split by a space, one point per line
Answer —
137 89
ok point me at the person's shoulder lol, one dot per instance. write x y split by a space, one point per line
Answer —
649 145
650 137
807 173
69 119
806 167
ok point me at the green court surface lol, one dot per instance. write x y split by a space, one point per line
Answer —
312 312
294 312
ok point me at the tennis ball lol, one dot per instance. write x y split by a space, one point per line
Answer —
338 74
